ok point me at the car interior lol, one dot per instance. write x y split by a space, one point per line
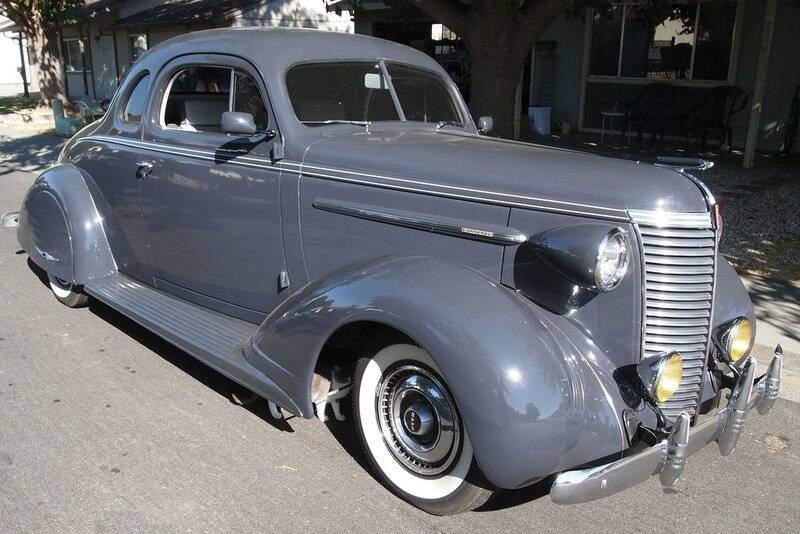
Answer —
198 96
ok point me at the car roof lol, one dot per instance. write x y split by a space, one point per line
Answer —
281 47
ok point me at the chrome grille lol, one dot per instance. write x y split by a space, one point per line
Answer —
679 267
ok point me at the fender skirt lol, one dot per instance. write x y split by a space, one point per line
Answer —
60 227
533 401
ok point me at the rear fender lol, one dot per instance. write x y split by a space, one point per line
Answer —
61 229
505 366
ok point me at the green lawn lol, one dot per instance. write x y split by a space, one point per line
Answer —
15 104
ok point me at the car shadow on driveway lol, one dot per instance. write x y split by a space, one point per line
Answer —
180 359
777 302
342 431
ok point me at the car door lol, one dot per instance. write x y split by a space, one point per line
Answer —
211 200
112 162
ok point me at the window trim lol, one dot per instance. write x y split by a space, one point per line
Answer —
132 87
691 81
155 132
120 102
131 34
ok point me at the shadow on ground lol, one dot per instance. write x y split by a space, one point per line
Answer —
31 153
180 359
765 292
342 431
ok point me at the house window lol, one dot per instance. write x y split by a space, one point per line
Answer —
74 55
138 45
687 40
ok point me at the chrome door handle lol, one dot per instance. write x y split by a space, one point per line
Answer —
143 168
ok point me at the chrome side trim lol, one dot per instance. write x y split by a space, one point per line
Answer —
681 163
488 233
375 180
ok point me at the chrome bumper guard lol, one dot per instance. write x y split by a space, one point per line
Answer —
668 458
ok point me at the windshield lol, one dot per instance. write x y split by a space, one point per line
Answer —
335 92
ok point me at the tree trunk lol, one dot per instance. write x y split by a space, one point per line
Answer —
495 75
498 47
48 61
499 36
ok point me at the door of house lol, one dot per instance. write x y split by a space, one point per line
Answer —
104 70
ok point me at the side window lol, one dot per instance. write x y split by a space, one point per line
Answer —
198 96
137 101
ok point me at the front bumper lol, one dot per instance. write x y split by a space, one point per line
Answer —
668 458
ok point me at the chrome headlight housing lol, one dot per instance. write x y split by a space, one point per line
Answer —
661 375
613 258
737 339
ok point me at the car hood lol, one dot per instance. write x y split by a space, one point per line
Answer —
505 172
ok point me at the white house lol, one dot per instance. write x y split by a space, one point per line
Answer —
16 71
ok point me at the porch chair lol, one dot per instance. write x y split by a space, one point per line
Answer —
713 113
650 110
89 109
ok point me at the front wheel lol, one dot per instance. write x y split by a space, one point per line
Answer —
412 432
66 293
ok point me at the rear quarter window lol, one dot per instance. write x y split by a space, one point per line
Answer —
137 101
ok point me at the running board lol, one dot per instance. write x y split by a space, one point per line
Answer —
211 337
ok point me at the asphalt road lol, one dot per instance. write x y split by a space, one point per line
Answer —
104 427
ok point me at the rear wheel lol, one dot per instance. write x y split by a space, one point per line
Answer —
412 432
67 293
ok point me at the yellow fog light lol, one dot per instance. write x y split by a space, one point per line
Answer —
661 375
737 338
669 377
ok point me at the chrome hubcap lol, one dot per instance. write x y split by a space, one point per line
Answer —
418 420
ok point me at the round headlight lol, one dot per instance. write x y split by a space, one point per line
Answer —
738 339
661 375
613 257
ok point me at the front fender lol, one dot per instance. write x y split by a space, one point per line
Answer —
522 392
731 300
61 229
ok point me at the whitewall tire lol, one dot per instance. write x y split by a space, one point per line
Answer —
67 293
412 434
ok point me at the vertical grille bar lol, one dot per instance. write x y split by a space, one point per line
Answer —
679 263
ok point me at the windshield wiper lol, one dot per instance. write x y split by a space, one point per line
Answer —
338 121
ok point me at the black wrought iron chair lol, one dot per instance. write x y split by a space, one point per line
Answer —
650 110
713 113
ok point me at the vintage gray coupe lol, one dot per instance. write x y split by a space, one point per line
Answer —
317 217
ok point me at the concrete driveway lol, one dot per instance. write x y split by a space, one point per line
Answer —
104 427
